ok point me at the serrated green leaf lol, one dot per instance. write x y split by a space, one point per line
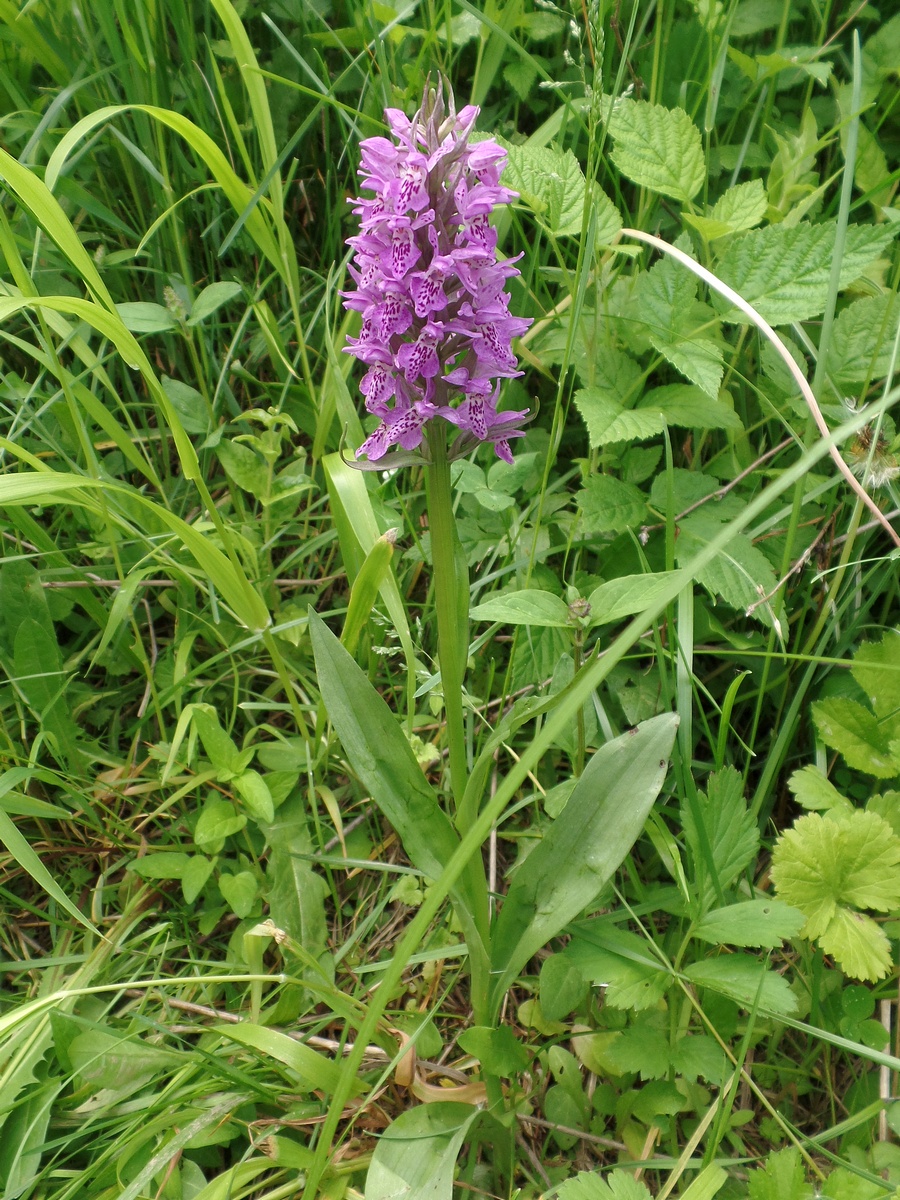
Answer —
607 421
416 1154
700 1056
690 407
862 339
876 668
609 506
825 866
784 271
531 606
658 148
677 324
551 183
731 832
741 575
620 960
745 980
765 923
742 206
617 1185
641 1049
859 946
813 791
863 740
782 1178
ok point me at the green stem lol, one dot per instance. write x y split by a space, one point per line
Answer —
451 597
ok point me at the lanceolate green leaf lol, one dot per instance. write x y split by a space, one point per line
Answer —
531 606
584 846
416 1155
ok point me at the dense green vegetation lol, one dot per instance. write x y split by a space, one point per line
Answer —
276 921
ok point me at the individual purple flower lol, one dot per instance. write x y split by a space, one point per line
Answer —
436 327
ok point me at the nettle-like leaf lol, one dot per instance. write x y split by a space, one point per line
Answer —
830 869
610 506
607 421
784 271
862 339
658 148
876 668
729 831
690 407
740 574
866 743
620 961
782 1178
740 208
552 184
677 325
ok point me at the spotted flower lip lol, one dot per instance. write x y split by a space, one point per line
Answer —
436 327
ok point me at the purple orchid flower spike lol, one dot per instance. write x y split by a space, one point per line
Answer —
436 327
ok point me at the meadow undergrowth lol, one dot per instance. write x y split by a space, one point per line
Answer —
617 916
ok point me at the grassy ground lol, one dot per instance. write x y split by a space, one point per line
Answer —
267 935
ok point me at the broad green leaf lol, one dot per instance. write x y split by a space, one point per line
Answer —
189 404
700 1056
610 506
551 183
658 148
607 421
254 791
220 749
690 407
784 271
115 1061
240 892
619 960
741 574
497 1049
162 864
562 986
40 678
212 298
415 1157
295 892
531 606
876 668
218 820
765 923
616 1185
144 317
820 863
584 846
814 791
195 876
863 740
626 596
679 327
316 1072
862 339
745 980
245 466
